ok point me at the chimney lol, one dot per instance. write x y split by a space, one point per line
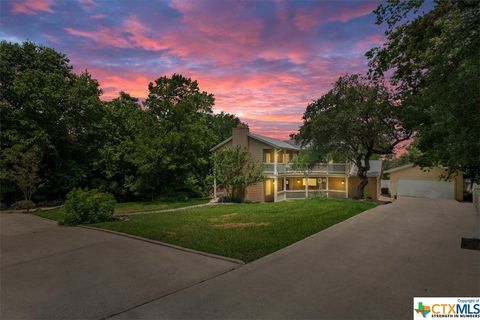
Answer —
240 135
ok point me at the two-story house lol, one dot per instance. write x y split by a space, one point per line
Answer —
283 182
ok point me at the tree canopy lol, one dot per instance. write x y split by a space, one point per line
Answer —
434 63
354 121
55 119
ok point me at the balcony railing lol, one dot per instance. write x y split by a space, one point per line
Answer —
324 168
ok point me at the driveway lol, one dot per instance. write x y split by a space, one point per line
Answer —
368 267
53 272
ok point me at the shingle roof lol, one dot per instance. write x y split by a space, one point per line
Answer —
277 143
375 169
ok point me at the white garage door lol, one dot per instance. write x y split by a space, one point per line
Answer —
426 189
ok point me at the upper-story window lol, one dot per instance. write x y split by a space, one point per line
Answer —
289 156
268 156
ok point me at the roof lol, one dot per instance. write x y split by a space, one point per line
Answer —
375 169
221 144
410 165
276 143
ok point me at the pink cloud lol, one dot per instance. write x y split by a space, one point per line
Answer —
235 22
51 38
87 3
103 36
306 19
32 6
368 42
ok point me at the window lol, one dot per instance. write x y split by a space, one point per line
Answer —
268 156
280 184
312 182
268 187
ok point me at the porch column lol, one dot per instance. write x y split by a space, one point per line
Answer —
346 187
275 172
214 187
275 161
327 185
306 187
275 189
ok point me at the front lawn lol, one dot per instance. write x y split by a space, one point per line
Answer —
137 206
243 231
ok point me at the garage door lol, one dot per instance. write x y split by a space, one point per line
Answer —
426 189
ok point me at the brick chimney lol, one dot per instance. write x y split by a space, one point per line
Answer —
240 135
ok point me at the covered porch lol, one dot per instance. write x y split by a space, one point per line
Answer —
297 187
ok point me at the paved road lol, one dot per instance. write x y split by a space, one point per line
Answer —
53 272
368 267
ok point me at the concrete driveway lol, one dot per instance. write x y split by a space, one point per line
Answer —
53 272
368 267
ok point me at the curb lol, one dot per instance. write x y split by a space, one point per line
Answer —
210 255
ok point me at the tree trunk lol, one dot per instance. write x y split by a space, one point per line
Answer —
362 175
360 194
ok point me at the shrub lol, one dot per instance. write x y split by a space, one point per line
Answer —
88 206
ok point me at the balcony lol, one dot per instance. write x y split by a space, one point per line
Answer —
320 168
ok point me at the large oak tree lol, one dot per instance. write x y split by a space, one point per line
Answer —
354 121
434 63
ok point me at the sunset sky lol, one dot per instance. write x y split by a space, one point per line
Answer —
263 60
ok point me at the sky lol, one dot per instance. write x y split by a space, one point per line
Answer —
264 61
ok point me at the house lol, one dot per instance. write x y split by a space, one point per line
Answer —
412 181
282 182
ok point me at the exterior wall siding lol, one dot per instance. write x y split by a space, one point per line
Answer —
255 193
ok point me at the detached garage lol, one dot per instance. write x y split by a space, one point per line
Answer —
411 181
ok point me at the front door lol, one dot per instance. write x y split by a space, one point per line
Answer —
268 188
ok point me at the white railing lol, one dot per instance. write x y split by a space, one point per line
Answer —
300 194
281 195
287 168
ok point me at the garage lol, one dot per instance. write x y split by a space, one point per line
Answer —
426 189
413 181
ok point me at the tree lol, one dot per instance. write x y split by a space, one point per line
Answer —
222 125
354 121
24 169
181 111
123 127
44 103
434 62
234 170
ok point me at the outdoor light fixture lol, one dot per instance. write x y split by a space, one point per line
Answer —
343 182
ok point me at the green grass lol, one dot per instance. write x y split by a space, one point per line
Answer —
243 231
137 206
54 214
